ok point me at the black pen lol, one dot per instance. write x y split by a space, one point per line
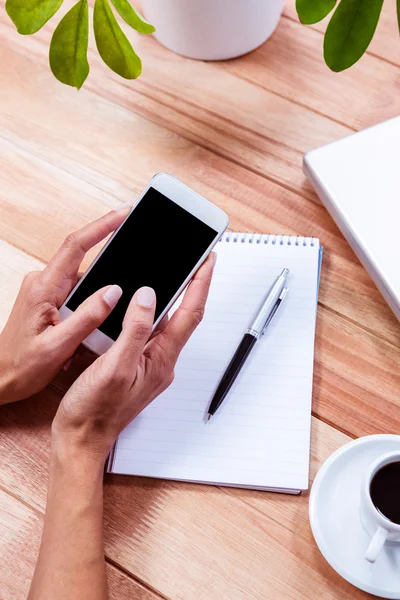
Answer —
263 318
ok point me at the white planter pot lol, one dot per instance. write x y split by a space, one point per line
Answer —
213 29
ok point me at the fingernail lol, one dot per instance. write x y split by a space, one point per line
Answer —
67 364
123 206
146 297
214 257
112 295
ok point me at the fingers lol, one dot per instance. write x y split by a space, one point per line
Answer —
63 268
188 316
87 317
136 330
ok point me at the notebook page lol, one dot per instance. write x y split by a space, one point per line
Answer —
260 436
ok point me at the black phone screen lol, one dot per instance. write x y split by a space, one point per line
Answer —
157 246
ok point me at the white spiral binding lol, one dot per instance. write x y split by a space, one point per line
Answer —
236 237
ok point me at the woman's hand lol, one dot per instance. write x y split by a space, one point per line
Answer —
35 344
124 380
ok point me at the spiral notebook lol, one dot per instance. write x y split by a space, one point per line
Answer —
260 437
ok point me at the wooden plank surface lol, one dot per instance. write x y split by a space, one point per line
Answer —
225 183
21 530
158 530
236 132
291 65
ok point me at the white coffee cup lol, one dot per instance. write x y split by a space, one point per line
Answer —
374 522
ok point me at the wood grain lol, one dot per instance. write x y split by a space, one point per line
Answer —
236 132
291 65
14 265
223 183
21 531
260 139
152 530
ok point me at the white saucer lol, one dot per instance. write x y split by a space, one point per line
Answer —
335 520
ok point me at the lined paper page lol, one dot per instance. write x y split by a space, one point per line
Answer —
261 434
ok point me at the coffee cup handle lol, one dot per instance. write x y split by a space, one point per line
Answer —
376 544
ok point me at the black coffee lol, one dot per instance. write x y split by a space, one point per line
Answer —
385 491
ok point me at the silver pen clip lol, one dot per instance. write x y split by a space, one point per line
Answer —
278 304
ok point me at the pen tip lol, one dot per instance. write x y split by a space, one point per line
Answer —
208 417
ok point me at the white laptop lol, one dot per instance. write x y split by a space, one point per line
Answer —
358 180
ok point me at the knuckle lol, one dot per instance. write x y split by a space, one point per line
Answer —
196 317
32 289
71 239
74 240
141 330
93 314
31 279
116 378
94 317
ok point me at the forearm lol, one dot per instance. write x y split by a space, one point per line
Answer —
71 559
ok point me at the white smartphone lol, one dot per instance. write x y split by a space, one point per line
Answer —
166 237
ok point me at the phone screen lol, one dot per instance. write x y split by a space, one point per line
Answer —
157 246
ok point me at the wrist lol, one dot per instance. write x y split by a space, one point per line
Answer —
71 470
70 449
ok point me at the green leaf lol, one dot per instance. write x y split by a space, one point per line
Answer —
398 12
130 16
69 45
350 31
312 11
30 15
112 44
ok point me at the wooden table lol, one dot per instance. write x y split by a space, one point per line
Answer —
236 132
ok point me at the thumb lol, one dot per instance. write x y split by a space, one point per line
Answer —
87 317
137 328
